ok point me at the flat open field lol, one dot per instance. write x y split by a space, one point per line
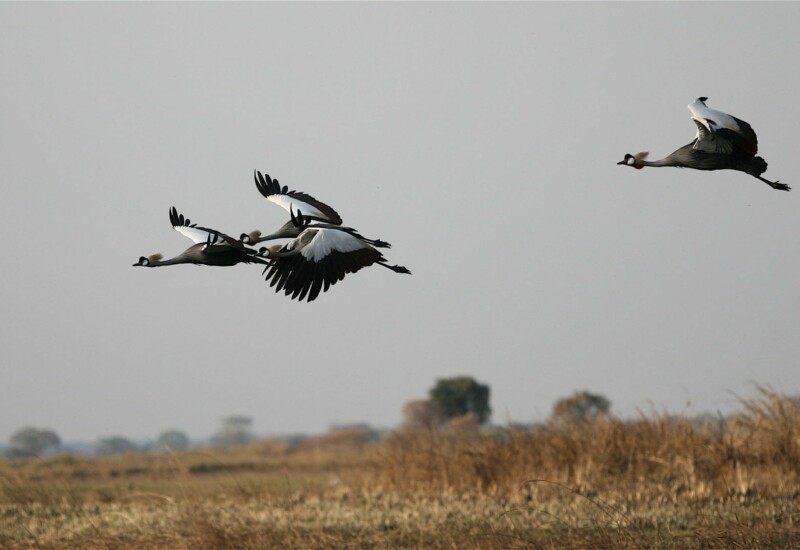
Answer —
656 482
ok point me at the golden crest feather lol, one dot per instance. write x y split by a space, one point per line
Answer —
641 155
155 257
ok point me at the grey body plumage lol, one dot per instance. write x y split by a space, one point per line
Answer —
723 142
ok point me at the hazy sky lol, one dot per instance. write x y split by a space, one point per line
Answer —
481 140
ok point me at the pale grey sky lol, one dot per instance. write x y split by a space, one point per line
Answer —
479 139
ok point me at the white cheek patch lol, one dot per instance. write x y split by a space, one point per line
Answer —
631 161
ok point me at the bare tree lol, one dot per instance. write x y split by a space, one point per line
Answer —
113 445
172 439
580 407
464 424
236 430
421 414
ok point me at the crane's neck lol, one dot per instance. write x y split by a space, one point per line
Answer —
172 261
283 233
667 161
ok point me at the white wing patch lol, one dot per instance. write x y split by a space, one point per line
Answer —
711 119
330 240
196 234
290 204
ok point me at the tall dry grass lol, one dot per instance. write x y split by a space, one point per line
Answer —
656 481
660 457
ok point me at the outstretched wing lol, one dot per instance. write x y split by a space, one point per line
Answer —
295 200
322 257
711 142
719 132
209 237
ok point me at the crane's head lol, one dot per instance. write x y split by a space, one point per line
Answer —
250 238
634 160
149 261
265 251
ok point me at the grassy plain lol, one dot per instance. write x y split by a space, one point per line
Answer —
656 482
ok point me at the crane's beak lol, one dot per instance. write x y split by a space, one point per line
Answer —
622 162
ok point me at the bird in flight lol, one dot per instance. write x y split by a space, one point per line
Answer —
319 257
722 142
319 253
290 201
210 247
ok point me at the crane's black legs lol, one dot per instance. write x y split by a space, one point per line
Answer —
775 184
395 268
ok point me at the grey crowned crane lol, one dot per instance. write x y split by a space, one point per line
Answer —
289 201
722 142
211 247
319 257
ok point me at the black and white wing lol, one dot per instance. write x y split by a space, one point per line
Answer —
711 142
214 240
295 200
321 258
721 133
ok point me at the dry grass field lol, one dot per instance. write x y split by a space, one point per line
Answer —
656 482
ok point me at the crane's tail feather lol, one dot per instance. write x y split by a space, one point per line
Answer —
377 243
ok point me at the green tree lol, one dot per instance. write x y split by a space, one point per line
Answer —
29 442
462 395
580 407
